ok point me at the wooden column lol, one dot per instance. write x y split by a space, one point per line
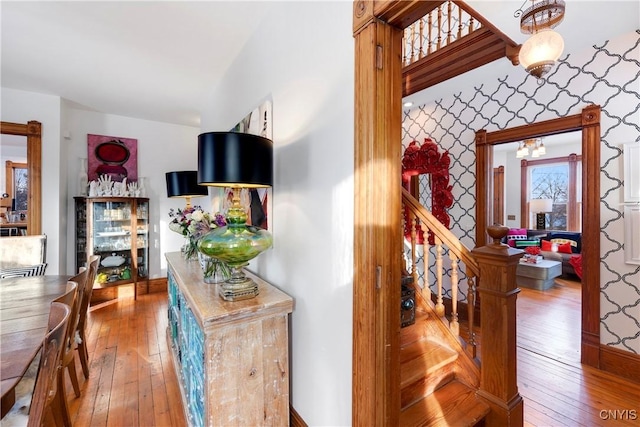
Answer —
590 343
498 378
377 219
484 179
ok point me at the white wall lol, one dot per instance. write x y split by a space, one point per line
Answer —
162 148
307 71
20 107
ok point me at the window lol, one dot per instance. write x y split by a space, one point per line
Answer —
17 184
556 179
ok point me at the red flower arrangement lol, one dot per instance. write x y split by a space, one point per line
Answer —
532 250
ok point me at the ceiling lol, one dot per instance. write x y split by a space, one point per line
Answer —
157 60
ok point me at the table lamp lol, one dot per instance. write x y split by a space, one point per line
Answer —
540 207
185 184
235 160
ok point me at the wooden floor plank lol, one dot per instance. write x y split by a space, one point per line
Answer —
129 384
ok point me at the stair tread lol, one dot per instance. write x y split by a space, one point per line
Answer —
423 358
454 404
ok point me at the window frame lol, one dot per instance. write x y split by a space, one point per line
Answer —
574 206
10 175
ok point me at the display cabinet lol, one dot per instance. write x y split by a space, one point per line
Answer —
116 229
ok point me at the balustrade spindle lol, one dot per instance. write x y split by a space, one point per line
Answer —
449 22
439 39
439 304
471 303
414 268
421 38
459 23
426 250
454 325
430 26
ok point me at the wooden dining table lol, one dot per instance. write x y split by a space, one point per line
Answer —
24 314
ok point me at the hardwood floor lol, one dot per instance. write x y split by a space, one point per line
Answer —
557 389
133 383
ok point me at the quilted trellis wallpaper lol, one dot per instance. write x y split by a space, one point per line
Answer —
608 74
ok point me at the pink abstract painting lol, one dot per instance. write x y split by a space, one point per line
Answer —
112 156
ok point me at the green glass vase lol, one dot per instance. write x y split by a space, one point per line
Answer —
236 244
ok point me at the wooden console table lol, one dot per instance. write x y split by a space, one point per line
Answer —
231 358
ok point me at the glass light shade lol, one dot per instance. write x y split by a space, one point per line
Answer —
539 53
541 149
535 152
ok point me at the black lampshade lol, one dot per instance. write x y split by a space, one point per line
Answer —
228 159
184 184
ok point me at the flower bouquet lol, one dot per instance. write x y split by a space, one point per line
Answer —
532 254
193 223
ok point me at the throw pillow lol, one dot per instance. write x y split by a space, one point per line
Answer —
526 243
564 248
576 263
546 245
516 234
24 271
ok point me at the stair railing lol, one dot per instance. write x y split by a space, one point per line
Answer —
447 245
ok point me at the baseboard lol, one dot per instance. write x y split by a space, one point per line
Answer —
295 420
158 285
620 362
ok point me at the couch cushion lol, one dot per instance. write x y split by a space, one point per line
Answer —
560 237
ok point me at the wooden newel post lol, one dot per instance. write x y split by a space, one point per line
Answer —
498 291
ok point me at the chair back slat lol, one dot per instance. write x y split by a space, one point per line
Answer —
53 344
86 297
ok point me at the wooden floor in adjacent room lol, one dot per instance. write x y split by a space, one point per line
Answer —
557 389
133 383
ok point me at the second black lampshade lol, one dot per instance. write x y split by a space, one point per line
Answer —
231 159
184 184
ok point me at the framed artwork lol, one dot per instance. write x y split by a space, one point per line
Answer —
257 201
112 156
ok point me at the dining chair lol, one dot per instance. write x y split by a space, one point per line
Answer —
67 359
20 251
45 390
80 337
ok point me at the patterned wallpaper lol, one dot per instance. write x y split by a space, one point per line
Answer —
608 74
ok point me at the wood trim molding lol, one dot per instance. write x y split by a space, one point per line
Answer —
377 232
620 362
498 195
295 420
588 122
33 131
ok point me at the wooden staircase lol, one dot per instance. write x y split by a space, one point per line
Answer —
438 379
